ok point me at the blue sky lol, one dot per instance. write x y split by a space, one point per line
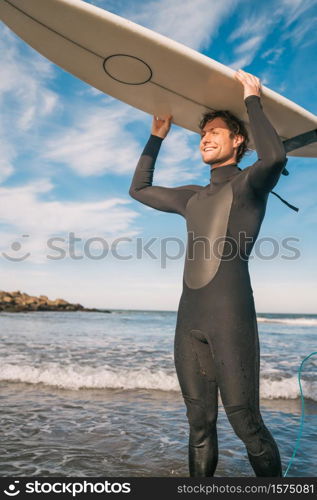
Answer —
69 153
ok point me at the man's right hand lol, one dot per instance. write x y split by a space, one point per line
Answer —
161 125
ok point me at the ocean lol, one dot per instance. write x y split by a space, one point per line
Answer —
96 394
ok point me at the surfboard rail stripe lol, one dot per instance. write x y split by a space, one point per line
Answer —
104 58
51 29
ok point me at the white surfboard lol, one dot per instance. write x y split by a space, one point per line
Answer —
142 68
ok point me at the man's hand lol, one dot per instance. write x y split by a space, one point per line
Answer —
251 83
161 126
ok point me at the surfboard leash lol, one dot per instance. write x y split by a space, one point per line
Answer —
296 142
302 414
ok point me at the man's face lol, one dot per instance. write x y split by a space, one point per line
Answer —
216 145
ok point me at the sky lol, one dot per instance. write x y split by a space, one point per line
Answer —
68 153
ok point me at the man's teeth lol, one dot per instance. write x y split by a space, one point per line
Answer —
209 149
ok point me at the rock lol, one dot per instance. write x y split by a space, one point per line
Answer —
7 298
61 302
17 302
78 306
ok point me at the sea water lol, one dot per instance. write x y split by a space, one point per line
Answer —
96 394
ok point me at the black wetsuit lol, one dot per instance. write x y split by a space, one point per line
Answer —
216 338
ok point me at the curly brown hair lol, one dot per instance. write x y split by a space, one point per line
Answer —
235 125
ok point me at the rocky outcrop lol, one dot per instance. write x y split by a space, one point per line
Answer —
17 302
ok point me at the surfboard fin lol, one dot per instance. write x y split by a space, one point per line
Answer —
299 141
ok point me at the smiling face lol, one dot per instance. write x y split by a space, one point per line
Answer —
218 145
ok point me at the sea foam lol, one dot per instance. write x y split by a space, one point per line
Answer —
77 377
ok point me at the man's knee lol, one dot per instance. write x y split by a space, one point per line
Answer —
202 420
247 425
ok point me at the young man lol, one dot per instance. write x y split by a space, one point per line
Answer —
216 338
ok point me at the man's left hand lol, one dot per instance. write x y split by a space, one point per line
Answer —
251 83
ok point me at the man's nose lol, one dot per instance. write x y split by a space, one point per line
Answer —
205 139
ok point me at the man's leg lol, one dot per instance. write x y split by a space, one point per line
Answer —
261 447
237 355
195 370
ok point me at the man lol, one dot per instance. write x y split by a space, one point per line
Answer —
216 339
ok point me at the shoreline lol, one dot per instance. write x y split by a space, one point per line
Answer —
17 301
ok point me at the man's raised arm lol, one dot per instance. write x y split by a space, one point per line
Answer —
162 198
265 172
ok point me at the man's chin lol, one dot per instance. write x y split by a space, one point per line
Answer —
209 161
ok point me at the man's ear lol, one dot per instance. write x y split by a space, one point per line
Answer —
238 139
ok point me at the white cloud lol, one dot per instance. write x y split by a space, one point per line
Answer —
179 163
25 99
247 50
100 284
256 26
100 142
24 77
192 23
97 141
293 9
6 158
24 212
275 54
252 24
298 25
249 45
302 33
252 32
242 62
